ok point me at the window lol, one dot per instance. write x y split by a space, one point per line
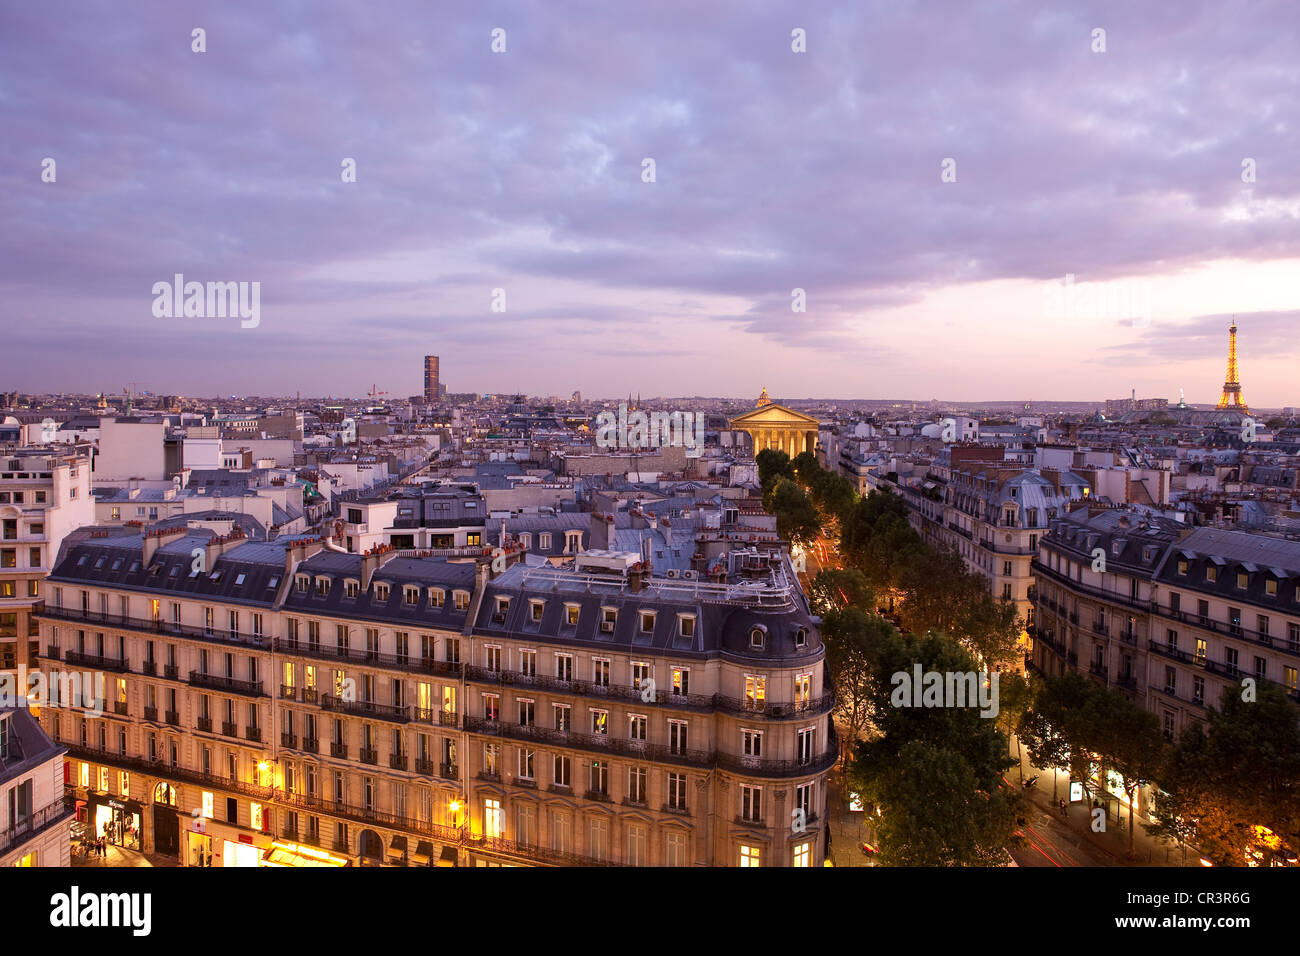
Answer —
598 846
1211 574
493 819
756 635
526 757
535 610
600 722
636 845
600 671
599 777
749 855
1243 580
491 706
1270 587
804 745
492 657
755 691
640 673
411 595
802 855
462 600
686 625
751 743
677 736
544 540
681 681
351 588
751 803
563 720
322 586
674 848
527 711
436 597
636 726
636 784
608 618
1182 567
564 667
528 662
1198 690
571 612
381 592
647 622
561 769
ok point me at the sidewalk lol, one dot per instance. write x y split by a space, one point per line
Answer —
1147 850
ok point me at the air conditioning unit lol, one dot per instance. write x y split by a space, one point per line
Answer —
689 575
672 573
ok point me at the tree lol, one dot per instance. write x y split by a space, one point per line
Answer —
936 772
851 637
796 518
1128 740
1015 696
1234 788
1052 728
772 465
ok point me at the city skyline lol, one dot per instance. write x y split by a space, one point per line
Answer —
1152 171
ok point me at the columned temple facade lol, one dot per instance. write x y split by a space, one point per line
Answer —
774 426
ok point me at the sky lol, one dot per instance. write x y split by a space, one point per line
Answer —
928 174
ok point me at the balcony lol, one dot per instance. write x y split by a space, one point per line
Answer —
289 741
147 626
230 685
288 692
171 672
95 662
173 718
366 708
229 729
311 745
369 756
600 796
399 662
253 733
1099 627
119 708
159 768
150 668
448 771
22 829
397 762
151 714
339 750
204 725
425 767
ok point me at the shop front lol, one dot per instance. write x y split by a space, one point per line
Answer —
118 821
208 843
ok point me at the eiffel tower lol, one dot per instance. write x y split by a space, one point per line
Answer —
1231 397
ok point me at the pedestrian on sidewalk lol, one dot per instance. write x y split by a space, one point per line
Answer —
1063 811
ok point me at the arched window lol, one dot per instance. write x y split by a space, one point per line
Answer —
165 794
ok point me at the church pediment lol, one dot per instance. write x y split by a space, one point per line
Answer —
773 415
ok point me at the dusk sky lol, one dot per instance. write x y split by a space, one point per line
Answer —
774 170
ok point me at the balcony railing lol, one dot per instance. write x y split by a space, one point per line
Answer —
448 771
401 662
229 729
229 684
311 745
23 829
204 724
95 662
147 626
173 718
366 708
369 756
151 714
289 741
397 761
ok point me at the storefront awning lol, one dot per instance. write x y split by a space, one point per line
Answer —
292 854
448 857
397 850
423 851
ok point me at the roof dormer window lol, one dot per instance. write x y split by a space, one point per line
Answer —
757 635
381 592
322 586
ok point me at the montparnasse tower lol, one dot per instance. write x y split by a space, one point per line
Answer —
1231 397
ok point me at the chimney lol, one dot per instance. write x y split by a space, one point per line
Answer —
300 551
373 560
602 528
153 540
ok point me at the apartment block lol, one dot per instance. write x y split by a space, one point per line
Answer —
35 828
290 703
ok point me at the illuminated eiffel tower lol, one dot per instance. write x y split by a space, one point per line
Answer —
1231 397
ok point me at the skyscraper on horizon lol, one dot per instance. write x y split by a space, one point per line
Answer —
432 392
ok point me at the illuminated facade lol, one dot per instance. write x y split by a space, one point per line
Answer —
383 708
1232 397
774 426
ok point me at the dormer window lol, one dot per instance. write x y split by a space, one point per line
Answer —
526 540
1182 567
801 637
1243 580
303 583
647 622
571 612
216 575
1211 574
535 609
381 592
275 579
608 618
462 600
502 606
322 586
239 578
1270 587
686 625
544 541
351 588
436 597
756 637
411 595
